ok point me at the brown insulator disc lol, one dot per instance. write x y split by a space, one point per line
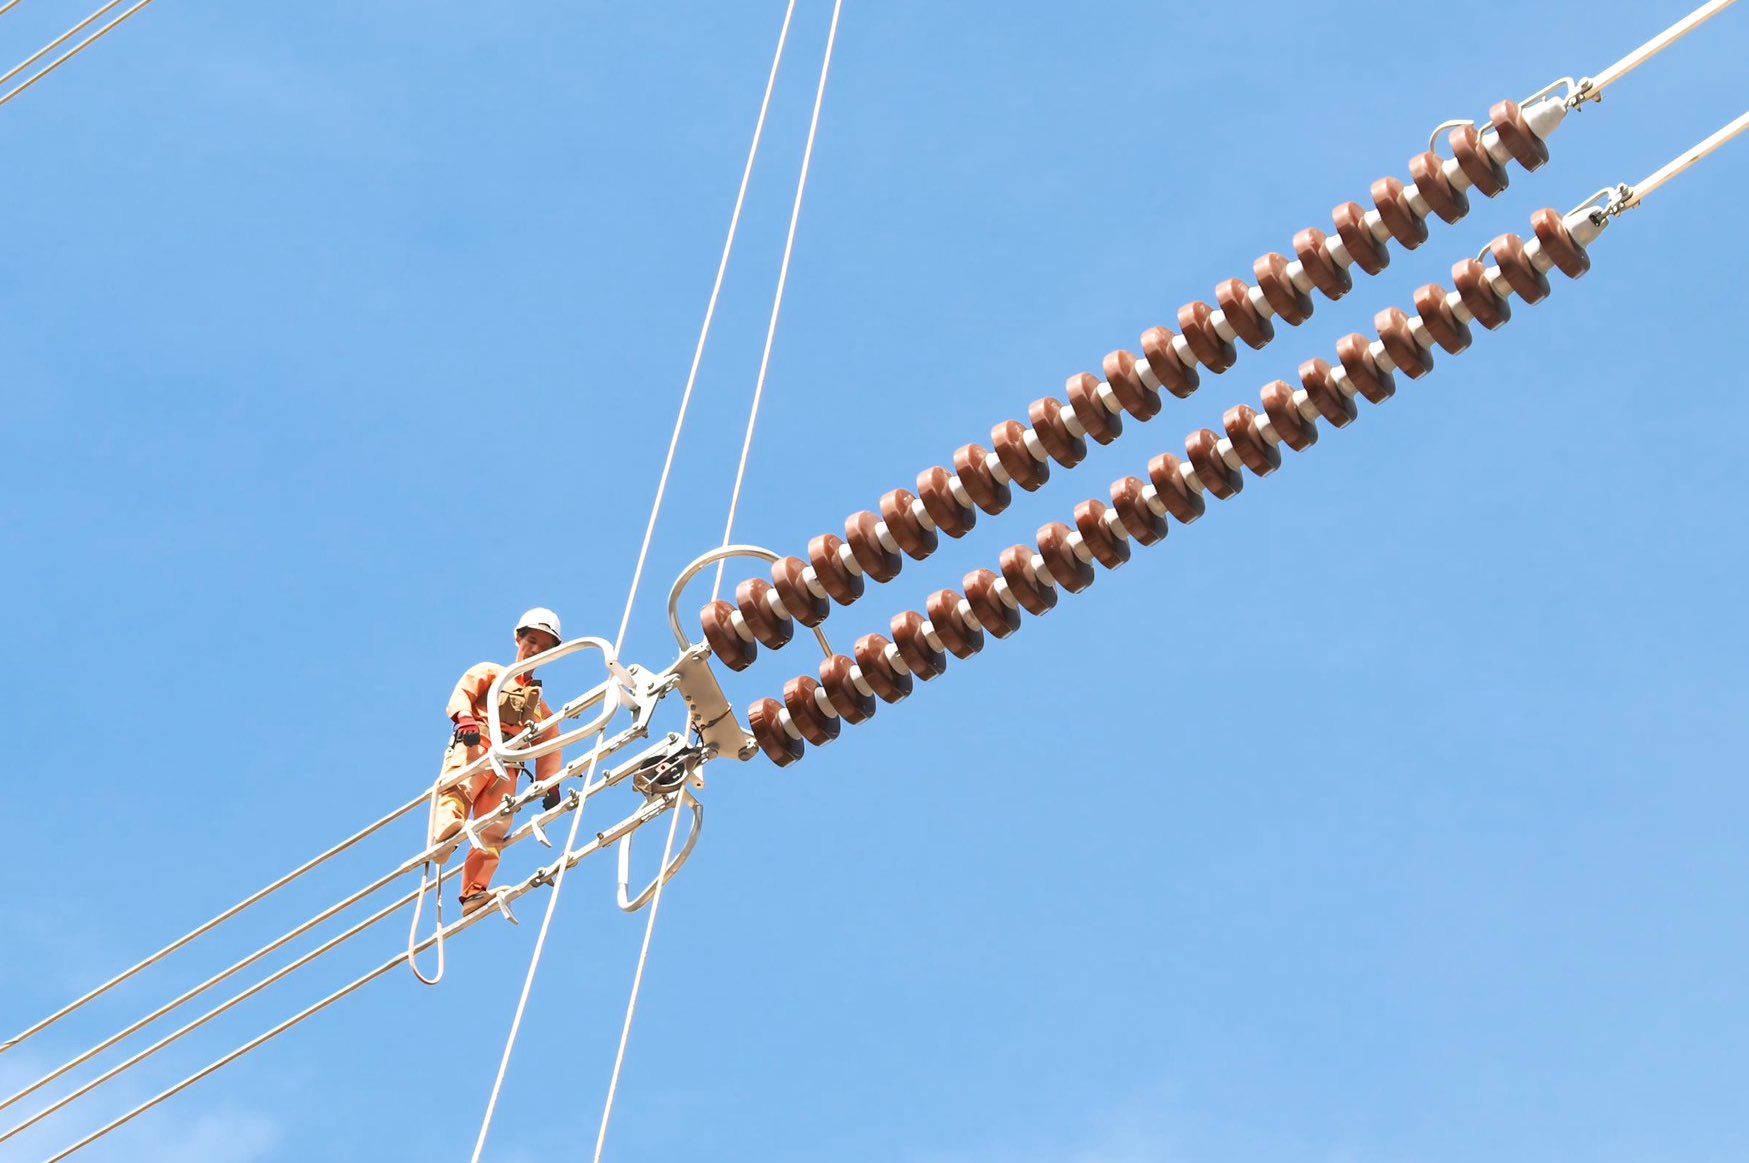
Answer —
1569 257
1527 149
1107 547
734 651
1221 479
913 537
951 515
1312 248
768 732
1399 217
972 465
1174 374
1364 372
1017 459
772 631
1101 425
1128 497
1332 402
925 661
1485 174
843 586
807 607
1526 281
992 613
1427 170
1368 253
878 562
1133 396
1215 353
816 726
1256 453
961 638
1234 298
1034 596
1183 502
1297 432
1062 446
847 699
1451 333
885 679
1292 304
1486 305
1070 572
1411 358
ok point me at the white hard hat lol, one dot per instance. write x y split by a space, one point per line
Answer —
540 618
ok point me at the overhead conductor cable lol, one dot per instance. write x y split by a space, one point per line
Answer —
70 53
638 573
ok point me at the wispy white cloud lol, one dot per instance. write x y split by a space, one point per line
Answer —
227 1134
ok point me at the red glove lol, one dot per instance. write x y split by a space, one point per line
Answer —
467 730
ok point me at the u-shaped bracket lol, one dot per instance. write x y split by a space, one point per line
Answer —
675 863
503 753
722 553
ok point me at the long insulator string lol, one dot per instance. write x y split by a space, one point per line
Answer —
811 711
876 543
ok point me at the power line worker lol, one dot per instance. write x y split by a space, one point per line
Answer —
481 794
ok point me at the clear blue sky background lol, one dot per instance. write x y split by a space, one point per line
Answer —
1393 812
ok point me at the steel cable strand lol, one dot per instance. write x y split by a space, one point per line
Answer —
70 53
208 926
638 977
222 1008
570 711
642 816
789 246
60 40
662 875
876 543
710 312
408 866
637 576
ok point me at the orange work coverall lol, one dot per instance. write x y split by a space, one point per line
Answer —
482 792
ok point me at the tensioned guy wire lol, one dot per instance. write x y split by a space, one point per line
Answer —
789 246
638 572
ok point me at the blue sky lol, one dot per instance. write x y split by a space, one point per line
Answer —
1391 812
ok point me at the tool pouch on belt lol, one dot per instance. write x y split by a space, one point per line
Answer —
519 706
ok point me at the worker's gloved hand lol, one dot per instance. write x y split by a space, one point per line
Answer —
551 800
467 731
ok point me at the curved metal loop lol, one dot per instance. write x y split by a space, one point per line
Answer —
413 944
1440 130
721 553
1572 87
503 753
633 904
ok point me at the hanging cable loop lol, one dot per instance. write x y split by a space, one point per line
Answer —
632 904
